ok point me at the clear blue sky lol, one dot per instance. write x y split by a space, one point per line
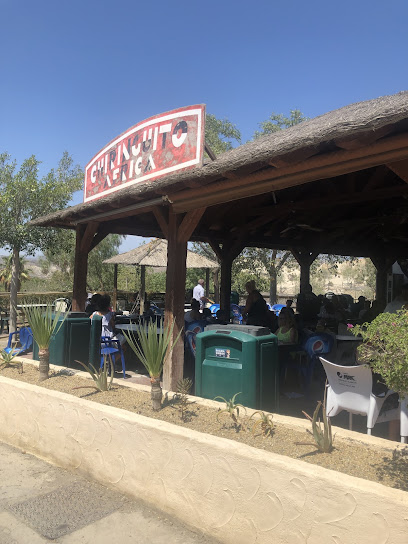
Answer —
75 74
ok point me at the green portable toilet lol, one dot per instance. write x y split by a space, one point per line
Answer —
238 359
71 342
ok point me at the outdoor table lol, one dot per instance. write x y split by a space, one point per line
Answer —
135 327
22 306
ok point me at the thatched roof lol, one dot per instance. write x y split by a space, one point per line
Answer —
155 254
315 137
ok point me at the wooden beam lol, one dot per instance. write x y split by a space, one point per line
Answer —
87 237
210 152
99 236
321 167
335 202
189 223
400 168
161 220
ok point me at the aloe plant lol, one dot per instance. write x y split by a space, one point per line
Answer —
100 376
265 422
230 407
44 324
151 346
322 437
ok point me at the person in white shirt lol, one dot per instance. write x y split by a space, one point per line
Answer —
199 293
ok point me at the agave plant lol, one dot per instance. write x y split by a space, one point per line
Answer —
44 324
100 376
151 346
230 408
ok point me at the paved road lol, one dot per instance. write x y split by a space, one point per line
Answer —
40 503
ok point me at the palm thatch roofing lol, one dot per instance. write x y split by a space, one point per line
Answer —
334 184
155 254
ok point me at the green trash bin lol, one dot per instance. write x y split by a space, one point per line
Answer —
71 342
238 358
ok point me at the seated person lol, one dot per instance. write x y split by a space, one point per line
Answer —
108 319
194 314
148 312
287 332
222 317
93 304
207 315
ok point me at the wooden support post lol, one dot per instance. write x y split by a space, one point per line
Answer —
142 287
225 287
216 286
207 282
115 287
304 259
382 265
174 304
179 229
84 238
230 250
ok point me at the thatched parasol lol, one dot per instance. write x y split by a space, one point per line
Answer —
154 254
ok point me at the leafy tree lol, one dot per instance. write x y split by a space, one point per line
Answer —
23 197
278 121
259 261
219 133
100 276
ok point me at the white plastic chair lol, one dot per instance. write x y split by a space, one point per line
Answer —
350 389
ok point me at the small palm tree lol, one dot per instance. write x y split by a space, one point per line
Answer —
151 347
44 324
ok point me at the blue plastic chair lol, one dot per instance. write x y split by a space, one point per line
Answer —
25 339
191 331
108 349
214 309
276 308
314 346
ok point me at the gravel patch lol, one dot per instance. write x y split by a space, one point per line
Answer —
385 467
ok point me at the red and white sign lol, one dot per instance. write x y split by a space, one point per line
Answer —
160 145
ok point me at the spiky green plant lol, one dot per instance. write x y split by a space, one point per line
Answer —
183 389
7 357
265 422
44 324
99 376
322 437
230 408
151 346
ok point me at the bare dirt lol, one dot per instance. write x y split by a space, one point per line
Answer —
386 467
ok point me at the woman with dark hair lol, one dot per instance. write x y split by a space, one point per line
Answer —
108 319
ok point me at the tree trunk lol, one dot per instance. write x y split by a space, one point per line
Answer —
273 295
44 366
156 393
15 272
